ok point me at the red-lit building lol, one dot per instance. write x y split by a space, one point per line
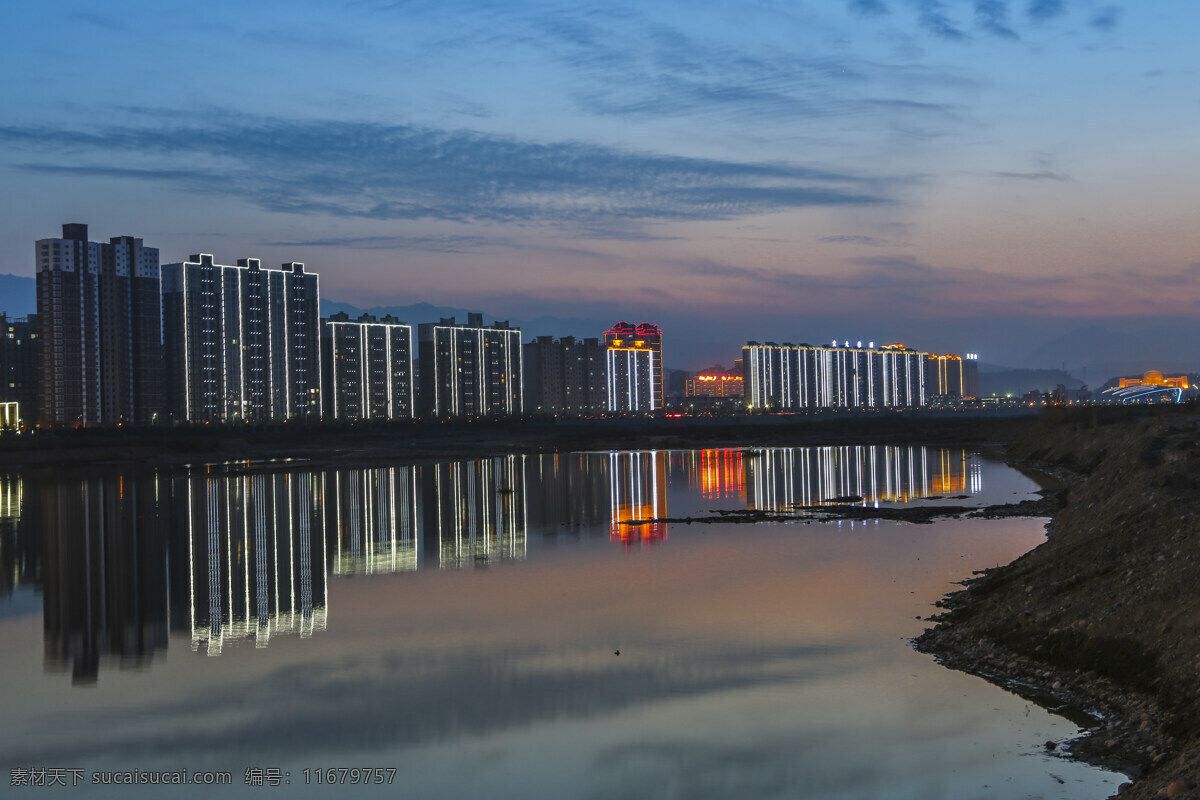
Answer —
634 365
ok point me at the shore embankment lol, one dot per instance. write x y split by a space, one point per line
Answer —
1104 616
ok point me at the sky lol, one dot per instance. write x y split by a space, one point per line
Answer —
1010 178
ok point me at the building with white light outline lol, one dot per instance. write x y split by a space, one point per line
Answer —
470 370
790 377
368 367
241 342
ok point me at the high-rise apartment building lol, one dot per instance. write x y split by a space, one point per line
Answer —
633 361
715 381
945 377
970 367
368 367
100 330
794 377
564 376
19 366
241 342
470 370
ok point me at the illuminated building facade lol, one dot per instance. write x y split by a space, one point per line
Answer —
19 367
99 330
564 376
1152 387
470 370
368 367
944 376
715 382
241 342
1154 378
633 361
789 377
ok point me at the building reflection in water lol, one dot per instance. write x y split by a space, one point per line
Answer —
637 487
782 478
222 555
19 550
371 515
105 574
722 473
567 493
475 511
256 546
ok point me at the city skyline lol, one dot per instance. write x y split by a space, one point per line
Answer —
1005 172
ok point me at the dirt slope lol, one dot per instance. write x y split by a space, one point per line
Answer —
1106 614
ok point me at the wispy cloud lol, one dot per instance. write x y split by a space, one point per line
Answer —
379 171
436 244
868 8
1043 175
1042 10
992 16
855 239
933 17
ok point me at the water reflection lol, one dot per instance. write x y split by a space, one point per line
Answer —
764 661
255 555
784 477
229 553
105 572
475 511
637 490
372 513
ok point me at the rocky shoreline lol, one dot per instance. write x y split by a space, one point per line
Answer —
1102 621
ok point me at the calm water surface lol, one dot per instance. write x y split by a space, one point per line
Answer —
459 623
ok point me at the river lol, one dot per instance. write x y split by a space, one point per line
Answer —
514 627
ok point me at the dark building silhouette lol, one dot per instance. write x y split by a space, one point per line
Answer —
99 330
564 376
19 365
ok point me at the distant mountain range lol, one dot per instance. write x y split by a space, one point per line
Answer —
1052 351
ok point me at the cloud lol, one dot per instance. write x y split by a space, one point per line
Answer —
931 14
375 171
1043 10
357 701
854 239
1106 18
992 16
868 8
1043 175
436 244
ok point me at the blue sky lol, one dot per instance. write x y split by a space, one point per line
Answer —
963 176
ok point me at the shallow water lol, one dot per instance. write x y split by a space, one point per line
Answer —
460 623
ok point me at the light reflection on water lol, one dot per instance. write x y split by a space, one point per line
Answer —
755 661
